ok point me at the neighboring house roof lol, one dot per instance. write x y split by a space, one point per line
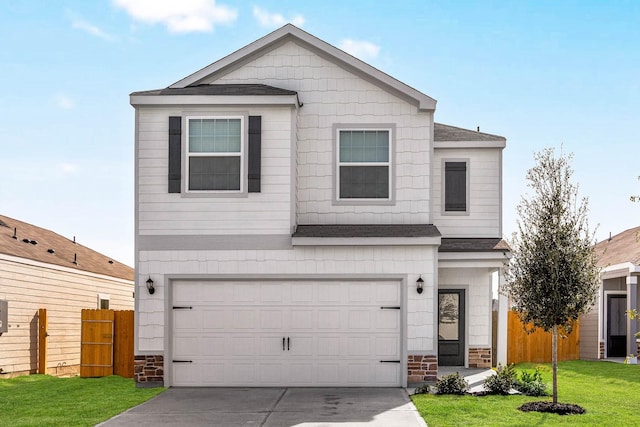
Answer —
332 53
443 132
473 245
221 90
39 244
369 230
618 249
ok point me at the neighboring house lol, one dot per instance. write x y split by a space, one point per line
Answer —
606 331
301 217
40 269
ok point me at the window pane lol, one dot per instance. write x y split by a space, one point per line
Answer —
215 135
455 192
364 182
214 173
364 146
449 316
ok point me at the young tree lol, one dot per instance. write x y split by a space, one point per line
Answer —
552 278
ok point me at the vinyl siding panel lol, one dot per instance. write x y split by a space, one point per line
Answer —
162 213
589 341
333 95
64 294
483 217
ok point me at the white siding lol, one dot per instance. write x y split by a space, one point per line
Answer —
477 282
63 294
161 213
483 219
332 95
311 262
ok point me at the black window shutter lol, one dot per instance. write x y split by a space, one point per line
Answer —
175 154
255 148
455 193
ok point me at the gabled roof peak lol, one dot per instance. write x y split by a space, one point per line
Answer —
343 59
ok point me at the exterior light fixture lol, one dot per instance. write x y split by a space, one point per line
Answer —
150 287
419 284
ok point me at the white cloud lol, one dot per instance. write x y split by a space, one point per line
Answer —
64 102
272 20
181 16
360 49
68 168
83 25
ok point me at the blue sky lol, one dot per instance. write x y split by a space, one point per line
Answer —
541 73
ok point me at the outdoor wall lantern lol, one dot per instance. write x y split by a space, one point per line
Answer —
150 287
419 284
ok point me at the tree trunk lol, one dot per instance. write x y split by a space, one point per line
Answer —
554 362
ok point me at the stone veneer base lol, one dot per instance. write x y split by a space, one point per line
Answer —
421 369
480 358
148 371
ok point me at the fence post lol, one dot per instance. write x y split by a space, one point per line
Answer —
42 340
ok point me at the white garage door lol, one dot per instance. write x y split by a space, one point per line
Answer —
297 333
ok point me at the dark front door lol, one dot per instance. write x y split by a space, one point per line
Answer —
451 327
616 326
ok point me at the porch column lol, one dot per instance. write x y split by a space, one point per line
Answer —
503 308
632 304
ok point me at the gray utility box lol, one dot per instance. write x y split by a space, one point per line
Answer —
4 316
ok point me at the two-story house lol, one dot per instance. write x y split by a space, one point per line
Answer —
304 222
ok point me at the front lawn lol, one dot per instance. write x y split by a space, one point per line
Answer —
43 400
610 393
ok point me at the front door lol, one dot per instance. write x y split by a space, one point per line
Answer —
616 326
451 327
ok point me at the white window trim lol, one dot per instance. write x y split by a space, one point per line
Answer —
103 297
389 163
443 193
241 154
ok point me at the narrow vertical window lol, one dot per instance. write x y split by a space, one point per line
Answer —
455 192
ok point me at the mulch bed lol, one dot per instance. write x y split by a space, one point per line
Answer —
554 408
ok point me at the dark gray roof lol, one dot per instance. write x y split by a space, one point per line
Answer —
451 133
473 245
369 230
224 89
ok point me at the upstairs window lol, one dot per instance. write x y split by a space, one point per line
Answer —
215 154
455 186
364 167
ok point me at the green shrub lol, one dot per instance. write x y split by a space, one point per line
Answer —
531 384
452 384
503 381
423 389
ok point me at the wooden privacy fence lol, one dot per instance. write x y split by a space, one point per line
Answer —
106 343
536 347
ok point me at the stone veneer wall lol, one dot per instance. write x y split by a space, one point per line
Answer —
601 355
422 369
479 358
149 371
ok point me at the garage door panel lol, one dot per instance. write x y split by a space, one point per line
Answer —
301 319
387 320
271 319
243 346
243 319
387 293
329 345
328 319
337 333
359 346
387 346
359 319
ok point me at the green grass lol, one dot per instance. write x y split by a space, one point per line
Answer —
43 400
609 392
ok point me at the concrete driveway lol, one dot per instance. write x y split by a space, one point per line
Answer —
274 407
